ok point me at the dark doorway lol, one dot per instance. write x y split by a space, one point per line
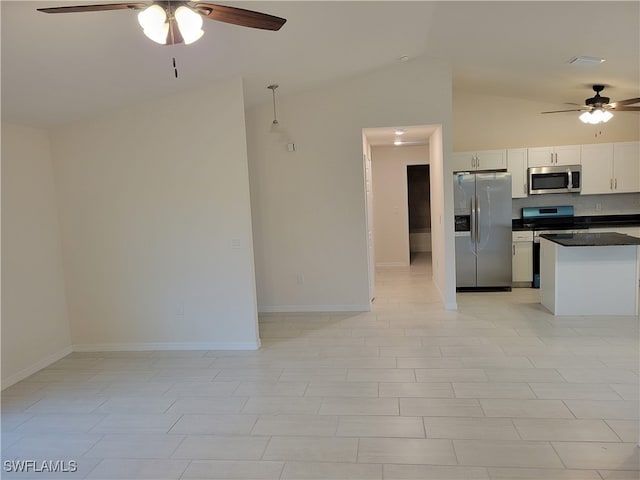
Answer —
419 199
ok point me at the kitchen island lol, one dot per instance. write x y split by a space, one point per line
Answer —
589 273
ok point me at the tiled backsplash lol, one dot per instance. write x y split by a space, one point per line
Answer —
621 203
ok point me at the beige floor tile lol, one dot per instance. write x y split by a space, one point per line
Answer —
578 391
470 428
440 407
138 446
429 362
381 375
627 392
565 430
214 447
432 472
614 410
275 389
208 389
300 425
419 390
359 406
541 474
380 426
417 352
492 390
136 423
602 456
330 471
233 470
227 424
627 430
136 404
506 453
282 405
548 375
451 375
112 469
619 474
342 389
208 405
406 451
49 445
57 423
312 449
599 375
314 375
496 362
525 408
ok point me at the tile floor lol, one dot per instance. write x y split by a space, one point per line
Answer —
497 390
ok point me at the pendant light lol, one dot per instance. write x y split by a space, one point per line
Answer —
273 87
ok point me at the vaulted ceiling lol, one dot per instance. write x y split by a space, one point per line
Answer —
62 68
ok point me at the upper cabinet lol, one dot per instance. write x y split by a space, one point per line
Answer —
611 168
517 166
481 160
552 156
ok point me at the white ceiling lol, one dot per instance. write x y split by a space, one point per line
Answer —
65 67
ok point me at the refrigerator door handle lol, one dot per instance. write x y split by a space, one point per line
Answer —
477 219
474 220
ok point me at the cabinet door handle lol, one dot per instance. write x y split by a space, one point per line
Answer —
551 157
615 184
611 184
514 249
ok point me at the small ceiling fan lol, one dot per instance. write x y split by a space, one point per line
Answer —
170 22
597 109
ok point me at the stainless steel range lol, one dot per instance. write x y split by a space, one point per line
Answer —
555 219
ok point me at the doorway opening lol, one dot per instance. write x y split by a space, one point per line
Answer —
419 207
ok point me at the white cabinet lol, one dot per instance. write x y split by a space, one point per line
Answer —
611 168
522 257
481 160
517 166
546 156
626 167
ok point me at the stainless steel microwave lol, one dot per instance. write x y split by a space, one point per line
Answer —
556 179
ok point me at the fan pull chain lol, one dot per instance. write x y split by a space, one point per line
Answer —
175 69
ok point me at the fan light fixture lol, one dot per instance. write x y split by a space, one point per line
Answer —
597 115
155 23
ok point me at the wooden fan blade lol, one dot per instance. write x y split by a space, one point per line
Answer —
240 16
561 111
626 109
620 103
576 104
94 8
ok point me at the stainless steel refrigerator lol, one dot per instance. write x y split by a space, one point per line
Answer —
482 230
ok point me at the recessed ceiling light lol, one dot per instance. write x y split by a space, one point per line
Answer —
399 131
584 61
403 58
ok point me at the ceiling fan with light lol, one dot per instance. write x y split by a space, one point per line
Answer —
172 22
597 109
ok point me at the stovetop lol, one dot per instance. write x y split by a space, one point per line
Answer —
562 218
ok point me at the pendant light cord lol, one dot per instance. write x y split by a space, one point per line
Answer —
273 91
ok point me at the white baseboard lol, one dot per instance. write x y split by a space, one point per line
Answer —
36 367
313 308
120 347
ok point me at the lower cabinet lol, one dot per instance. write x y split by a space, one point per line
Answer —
522 258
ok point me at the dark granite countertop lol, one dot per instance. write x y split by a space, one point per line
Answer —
604 239
580 222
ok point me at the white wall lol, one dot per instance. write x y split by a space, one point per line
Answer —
390 201
482 122
35 327
153 199
308 206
